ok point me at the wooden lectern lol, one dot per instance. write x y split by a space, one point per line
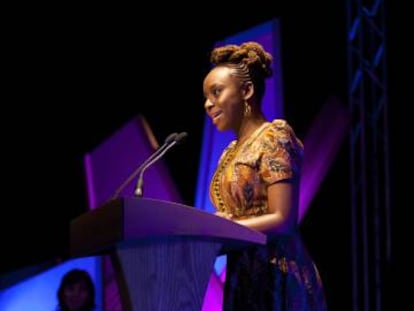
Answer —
163 252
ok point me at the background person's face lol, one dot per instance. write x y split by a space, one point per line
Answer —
75 296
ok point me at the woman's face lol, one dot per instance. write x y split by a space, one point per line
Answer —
224 98
76 295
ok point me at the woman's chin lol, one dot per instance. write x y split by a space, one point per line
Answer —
220 126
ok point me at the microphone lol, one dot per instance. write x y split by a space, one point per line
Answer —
170 138
178 139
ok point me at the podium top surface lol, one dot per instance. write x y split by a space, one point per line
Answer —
131 219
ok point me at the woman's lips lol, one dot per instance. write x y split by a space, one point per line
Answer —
216 115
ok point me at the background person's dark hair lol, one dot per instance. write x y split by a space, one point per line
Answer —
72 277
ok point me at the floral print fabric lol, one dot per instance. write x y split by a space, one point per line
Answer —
280 276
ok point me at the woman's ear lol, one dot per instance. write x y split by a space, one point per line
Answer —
248 90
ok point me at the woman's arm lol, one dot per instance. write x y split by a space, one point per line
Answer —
283 210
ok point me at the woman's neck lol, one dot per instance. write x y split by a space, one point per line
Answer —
248 126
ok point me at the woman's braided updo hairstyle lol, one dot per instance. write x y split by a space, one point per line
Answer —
250 61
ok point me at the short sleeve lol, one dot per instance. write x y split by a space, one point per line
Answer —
282 153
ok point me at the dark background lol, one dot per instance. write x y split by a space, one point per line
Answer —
76 74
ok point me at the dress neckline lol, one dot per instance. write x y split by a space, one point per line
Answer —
251 137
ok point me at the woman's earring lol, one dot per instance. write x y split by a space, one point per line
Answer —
247 109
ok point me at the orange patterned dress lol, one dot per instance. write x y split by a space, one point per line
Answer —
279 276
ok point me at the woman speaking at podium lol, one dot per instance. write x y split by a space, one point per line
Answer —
256 184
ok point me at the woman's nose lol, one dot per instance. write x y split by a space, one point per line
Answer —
208 104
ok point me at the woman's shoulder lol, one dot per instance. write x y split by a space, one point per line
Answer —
280 130
280 125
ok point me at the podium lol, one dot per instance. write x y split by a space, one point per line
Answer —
163 252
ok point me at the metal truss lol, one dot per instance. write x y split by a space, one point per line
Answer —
369 152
